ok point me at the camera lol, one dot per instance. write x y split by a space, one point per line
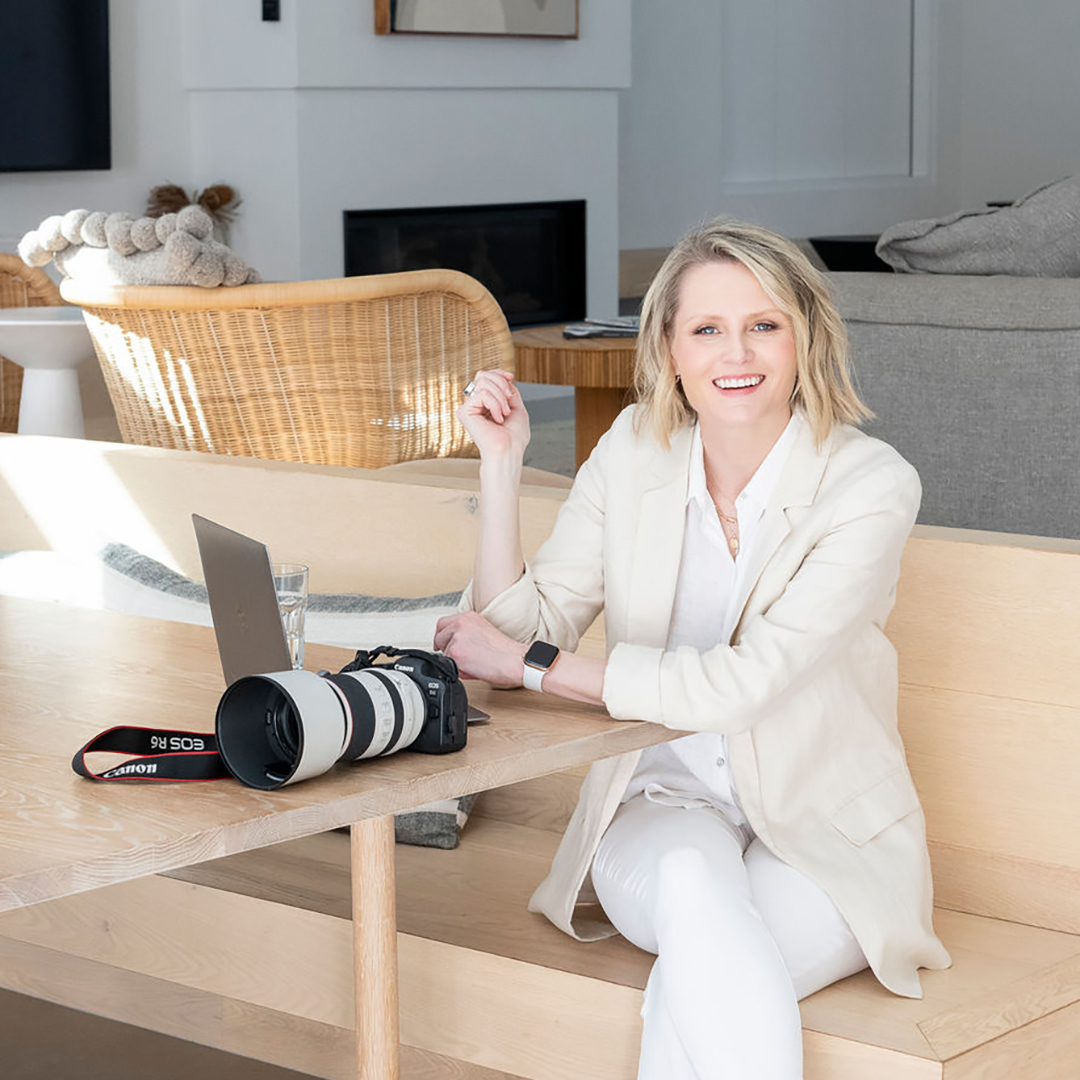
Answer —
287 726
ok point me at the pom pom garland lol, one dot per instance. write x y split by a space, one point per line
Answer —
116 249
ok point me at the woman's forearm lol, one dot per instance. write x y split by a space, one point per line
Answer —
499 560
579 678
482 652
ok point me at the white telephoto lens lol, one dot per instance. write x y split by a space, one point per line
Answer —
413 706
322 719
381 715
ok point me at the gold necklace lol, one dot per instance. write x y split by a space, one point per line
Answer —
731 523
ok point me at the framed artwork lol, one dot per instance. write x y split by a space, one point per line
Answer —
494 18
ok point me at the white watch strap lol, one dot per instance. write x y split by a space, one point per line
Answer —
533 678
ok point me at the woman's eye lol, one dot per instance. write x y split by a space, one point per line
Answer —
765 326
706 330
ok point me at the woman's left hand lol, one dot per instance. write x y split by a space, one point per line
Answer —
479 650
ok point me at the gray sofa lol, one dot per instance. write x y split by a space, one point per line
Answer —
976 381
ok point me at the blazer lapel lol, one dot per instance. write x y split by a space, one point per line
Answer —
661 524
797 485
658 543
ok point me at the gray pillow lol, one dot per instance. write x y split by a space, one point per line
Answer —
438 824
1038 236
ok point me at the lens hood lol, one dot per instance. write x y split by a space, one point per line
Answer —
260 735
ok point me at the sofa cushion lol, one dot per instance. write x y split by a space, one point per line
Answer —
960 302
126 581
138 585
1038 236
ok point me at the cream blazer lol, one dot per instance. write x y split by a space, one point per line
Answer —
805 690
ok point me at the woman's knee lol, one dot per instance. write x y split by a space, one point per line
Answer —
689 877
666 863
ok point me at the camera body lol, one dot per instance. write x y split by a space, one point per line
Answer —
446 706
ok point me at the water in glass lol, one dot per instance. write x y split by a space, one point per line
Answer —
291 585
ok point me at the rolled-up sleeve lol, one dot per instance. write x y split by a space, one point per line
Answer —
841 583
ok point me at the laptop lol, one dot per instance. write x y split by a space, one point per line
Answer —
243 603
244 607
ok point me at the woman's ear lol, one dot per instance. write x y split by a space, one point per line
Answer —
673 367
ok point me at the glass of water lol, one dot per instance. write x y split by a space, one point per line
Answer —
291 586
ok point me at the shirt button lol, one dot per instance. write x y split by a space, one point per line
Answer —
721 762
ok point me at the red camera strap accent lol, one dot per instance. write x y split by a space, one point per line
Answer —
156 754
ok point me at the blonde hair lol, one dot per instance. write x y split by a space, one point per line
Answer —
823 392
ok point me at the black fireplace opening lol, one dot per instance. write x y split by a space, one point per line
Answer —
531 256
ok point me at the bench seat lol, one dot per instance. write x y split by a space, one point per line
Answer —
1009 1006
986 629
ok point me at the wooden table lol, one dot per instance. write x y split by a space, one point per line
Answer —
66 674
601 371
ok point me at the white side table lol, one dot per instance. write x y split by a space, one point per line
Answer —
49 343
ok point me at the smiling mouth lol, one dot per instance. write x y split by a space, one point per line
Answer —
739 382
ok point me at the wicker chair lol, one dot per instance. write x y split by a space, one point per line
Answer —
20 286
362 371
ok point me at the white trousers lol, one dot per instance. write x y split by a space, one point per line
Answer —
739 935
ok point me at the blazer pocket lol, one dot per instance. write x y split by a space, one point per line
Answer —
865 815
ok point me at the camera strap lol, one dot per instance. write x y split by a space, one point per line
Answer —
156 753
366 658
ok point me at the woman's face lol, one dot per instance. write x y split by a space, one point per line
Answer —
733 348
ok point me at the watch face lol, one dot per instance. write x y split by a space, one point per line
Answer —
541 655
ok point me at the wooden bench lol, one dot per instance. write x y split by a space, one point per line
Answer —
987 628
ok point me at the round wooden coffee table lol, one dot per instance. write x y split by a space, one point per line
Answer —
600 370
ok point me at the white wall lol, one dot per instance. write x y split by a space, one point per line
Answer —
1019 96
321 115
316 114
338 47
424 147
250 139
712 76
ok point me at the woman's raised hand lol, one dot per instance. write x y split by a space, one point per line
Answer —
495 416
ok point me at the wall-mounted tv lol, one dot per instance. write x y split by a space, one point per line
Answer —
54 56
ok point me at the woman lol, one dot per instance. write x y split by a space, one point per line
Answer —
743 539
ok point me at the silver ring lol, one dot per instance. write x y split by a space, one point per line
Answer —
470 386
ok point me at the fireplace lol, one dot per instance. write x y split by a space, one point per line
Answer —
530 255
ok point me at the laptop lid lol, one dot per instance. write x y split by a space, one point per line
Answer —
243 603
244 607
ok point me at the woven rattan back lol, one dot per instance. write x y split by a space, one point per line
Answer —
20 286
363 371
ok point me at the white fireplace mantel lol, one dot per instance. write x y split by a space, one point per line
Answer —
316 115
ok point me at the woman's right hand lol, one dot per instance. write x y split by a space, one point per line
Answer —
495 416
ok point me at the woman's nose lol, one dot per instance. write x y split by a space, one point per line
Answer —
738 348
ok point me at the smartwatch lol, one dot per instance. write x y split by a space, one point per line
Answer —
539 659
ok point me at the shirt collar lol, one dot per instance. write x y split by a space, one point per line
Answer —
757 492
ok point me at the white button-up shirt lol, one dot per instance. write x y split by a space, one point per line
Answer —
694 771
